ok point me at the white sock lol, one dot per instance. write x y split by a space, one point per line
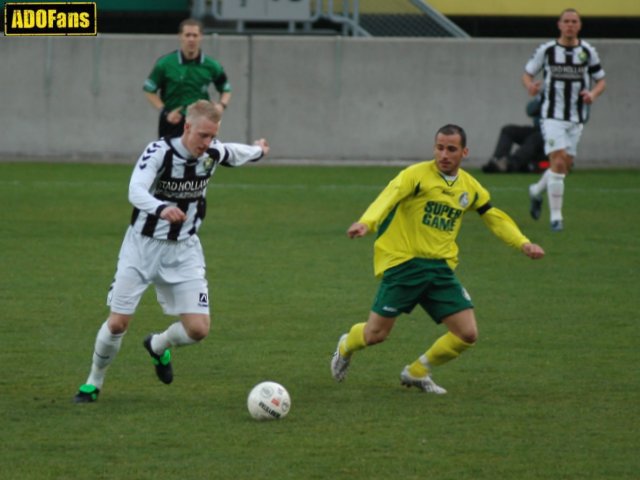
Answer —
105 351
174 336
555 192
425 363
539 187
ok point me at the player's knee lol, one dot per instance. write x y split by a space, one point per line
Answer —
468 335
377 335
560 162
198 328
561 168
377 328
118 323
199 333
463 325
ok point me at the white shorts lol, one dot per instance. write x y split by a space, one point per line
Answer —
177 269
560 135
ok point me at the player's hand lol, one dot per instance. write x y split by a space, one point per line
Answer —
174 116
534 87
357 230
533 251
587 97
264 145
173 215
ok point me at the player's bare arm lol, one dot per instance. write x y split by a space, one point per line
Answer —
154 99
589 96
533 251
532 86
174 116
225 98
357 230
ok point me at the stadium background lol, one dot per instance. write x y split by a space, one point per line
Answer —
485 18
320 98
550 391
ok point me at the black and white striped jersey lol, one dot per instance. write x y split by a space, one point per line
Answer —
566 72
167 175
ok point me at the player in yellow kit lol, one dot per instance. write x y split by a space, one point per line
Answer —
417 218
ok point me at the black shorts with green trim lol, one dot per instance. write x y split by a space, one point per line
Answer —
420 281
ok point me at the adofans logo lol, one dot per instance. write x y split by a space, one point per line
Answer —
50 18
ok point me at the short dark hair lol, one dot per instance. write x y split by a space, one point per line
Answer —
569 10
190 22
451 129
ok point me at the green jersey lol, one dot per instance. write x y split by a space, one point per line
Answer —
182 82
419 213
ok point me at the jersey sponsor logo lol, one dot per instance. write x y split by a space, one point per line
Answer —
181 189
441 216
203 299
567 72
50 19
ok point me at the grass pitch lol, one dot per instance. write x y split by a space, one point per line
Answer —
551 391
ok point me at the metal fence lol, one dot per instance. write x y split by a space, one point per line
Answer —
358 18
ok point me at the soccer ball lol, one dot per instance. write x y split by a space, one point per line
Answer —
268 401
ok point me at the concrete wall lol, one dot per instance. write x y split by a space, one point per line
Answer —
318 98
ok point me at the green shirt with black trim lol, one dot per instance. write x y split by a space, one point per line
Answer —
181 82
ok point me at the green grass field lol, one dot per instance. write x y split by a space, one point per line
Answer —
551 390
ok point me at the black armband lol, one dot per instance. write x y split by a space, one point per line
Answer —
483 209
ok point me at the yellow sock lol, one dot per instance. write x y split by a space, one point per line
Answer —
444 349
418 369
354 341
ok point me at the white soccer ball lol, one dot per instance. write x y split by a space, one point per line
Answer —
268 401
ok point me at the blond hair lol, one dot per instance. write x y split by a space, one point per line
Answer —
206 109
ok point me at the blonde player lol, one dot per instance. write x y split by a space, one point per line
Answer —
417 218
168 191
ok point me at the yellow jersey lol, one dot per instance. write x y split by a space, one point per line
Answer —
419 214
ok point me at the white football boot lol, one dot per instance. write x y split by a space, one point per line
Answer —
339 364
426 383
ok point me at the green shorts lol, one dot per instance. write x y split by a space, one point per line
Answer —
430 283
